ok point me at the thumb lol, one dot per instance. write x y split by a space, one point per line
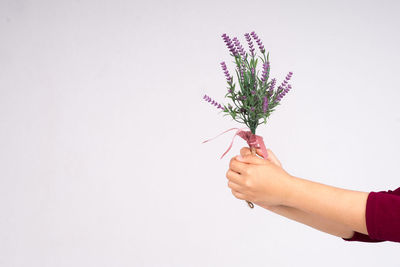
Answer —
270 156
252 159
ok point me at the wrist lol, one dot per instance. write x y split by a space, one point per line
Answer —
269 207
288 196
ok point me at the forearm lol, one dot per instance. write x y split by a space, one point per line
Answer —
341 206
317 222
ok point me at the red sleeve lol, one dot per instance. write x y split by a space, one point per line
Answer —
382 216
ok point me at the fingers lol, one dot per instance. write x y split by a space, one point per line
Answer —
251 159
233 186
245 151
238 195
233 180
237 166
271 156
234 177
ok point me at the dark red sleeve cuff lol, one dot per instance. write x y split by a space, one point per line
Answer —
361 237
383 215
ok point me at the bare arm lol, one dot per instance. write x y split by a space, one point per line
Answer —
312 220
341 206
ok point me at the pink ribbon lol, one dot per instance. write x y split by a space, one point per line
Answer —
251 139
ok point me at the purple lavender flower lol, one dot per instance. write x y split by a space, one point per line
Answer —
265 104
285 87
239 47
250 43
288 76
283 92
260 44
242 72
227 75
252 108
265 73
229 44
213 102
272 86
241 68
253 92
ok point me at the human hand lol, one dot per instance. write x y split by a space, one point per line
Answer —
261 181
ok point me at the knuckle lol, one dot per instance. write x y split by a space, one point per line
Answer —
231 163
233 192
248 183
244 150
236 194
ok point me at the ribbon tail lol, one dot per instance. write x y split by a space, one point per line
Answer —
262 146
230 146
219 135
238 132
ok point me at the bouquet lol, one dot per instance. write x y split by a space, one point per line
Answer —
254 96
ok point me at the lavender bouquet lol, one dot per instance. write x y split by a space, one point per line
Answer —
255 97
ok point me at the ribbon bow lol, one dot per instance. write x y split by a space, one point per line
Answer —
251 139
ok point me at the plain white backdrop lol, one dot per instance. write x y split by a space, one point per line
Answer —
102 119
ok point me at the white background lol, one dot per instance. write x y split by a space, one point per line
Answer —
102 119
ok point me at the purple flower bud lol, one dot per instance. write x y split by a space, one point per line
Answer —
208 99
253 92
250 43
260 44
286 79
239 47
272 86
265 104
227 75
289 76
252 108
265 72
230 45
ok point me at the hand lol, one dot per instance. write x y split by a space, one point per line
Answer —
271 157
261 181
